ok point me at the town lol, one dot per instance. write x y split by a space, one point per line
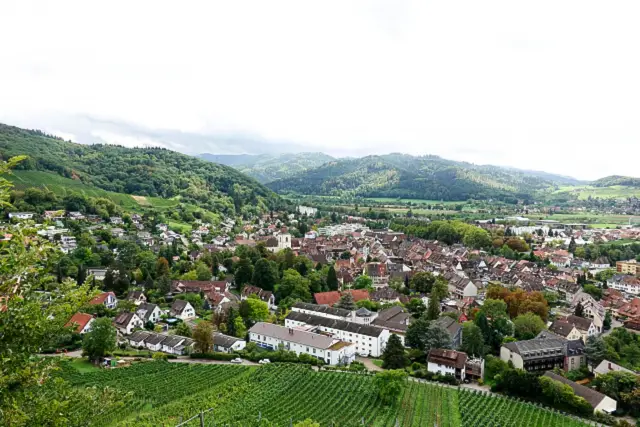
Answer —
502 304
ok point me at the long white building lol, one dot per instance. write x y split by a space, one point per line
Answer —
368 340
331 350
361 315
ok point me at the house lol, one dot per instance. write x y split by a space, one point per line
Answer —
97 273
149 312
332 297
81 321
116 220
177 345
138 338
454 329
624 267
586 327
368 340
625 283
590 307
598 401
462 287
605 367
265 296
447 362
227 344
137 297
108 299
377 271
600 264
474 369
127 322
173 344
385 295
154 342
182 309
21 215
331 350
535 355
393 319
630 310
565 329
216 301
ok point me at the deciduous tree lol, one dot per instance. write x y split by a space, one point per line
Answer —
100 340
203 337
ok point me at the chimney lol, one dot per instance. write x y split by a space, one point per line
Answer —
610 366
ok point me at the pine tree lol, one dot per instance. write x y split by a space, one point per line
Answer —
332 279
82 275
393 356
579 311
433 310
346 302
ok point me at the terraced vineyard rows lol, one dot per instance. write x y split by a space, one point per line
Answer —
163 394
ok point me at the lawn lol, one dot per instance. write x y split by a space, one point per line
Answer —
83 365
377 362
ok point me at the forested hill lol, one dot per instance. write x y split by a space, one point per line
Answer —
139 171
269 167
617 180
426 177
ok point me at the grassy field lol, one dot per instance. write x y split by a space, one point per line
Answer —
83 366
614 192
164 393
395 201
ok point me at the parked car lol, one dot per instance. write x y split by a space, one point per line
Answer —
264 361
236 360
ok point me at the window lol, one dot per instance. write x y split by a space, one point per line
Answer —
307 349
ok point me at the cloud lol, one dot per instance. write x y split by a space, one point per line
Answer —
550 85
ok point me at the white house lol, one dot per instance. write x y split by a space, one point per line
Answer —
149 312
81 321
329 349
462 287
108 299
598 401
368 340
227 344
137 297
127 322
21 215
447 362
181 309
625 283
97 273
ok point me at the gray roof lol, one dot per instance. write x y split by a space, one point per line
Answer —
340 312
178 306
449 324
390 313
537 348
363 312
342 325
156 339
225 341
145 310
123 319
605 367
292 335
139 336
581 323
561 327
590 395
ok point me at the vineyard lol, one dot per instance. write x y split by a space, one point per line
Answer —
164 394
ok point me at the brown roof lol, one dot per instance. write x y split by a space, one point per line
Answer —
80 320
456 359
631 309
590 395
100 299
332 297
581 323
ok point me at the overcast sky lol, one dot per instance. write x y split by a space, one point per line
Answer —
547 85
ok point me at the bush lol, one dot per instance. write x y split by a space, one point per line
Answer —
160 356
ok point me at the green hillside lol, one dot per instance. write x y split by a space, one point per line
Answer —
405 176
270 167
617 180
147 172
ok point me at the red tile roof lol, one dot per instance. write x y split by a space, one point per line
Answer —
100 299
80 320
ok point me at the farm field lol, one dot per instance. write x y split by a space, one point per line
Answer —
613 192
163 394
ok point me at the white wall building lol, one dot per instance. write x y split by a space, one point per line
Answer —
329 349
368 340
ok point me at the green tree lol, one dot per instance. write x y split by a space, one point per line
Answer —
264 276
416 307
528 326
416 333
422 282
203 337
433 309
389 385
393 356
346 302
100 340
596 350
494 309
363 282
244 272
203 272
472 339
293 285
254 310
239 327
231 321
183 330
436 337
447 234
477 238
440 288
332 279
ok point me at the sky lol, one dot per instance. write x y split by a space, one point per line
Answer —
544 85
